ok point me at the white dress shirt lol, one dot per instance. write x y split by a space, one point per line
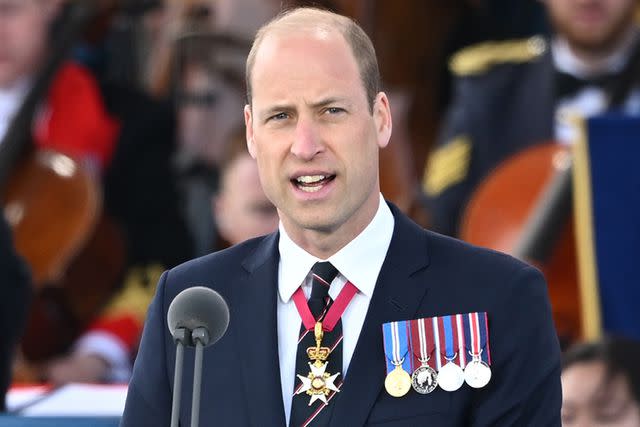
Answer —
359 262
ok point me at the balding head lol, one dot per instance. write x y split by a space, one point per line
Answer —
306 20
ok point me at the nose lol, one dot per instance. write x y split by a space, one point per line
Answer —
307 142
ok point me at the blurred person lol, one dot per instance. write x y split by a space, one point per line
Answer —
511 95
15 286
601 384
208 99
164 24
126 140
241 209
72 119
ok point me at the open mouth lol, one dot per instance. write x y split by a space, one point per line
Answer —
312 183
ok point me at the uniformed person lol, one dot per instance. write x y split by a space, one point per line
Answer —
511 95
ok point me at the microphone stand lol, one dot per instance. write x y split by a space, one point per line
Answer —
180 338
199 336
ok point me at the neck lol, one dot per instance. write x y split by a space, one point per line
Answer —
324 243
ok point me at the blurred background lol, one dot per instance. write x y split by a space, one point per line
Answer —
122 154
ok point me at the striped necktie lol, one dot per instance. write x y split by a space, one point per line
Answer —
317 414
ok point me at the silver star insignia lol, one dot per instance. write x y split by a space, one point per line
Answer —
318 383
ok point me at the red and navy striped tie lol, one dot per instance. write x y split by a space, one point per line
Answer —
317 414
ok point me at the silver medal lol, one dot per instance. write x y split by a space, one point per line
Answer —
424 379
477 373
450 377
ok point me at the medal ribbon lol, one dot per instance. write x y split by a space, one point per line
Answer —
448 337
436 338
448 331
477 335
422 341
462 355
396 345
335 311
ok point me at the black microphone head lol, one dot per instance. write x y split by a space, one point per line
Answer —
199 307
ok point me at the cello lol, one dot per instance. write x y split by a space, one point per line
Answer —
523 208
54 206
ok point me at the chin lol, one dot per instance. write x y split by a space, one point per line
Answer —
596 39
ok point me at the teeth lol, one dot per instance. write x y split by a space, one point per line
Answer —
311 189
306 179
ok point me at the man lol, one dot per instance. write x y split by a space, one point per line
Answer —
315 122
512 95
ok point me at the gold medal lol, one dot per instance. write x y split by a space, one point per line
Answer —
398 382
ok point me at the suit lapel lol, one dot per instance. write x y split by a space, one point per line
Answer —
254 314
398 293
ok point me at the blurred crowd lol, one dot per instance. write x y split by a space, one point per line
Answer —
146 97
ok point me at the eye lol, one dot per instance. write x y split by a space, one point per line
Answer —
279 116
334 110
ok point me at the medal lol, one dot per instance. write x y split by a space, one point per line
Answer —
318 383
398 382
424 379
477 373
450 376
396 346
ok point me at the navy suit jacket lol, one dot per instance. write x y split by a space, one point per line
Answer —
424 274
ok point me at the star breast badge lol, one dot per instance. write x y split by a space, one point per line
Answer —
318 383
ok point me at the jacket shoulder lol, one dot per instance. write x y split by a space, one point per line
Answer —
221 264
480 263
480 58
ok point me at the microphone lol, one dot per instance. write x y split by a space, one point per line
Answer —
197 316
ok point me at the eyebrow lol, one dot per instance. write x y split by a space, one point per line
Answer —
318 104
327 101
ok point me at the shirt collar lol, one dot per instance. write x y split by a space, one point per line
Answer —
371 245
11 98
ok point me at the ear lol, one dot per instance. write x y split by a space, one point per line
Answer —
382 119
248 123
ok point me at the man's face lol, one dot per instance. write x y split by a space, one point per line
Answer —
242 210
314 137
208 115
24 28
592 25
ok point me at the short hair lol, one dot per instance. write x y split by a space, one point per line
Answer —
619 355
304 18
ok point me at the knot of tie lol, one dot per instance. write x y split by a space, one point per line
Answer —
322 274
